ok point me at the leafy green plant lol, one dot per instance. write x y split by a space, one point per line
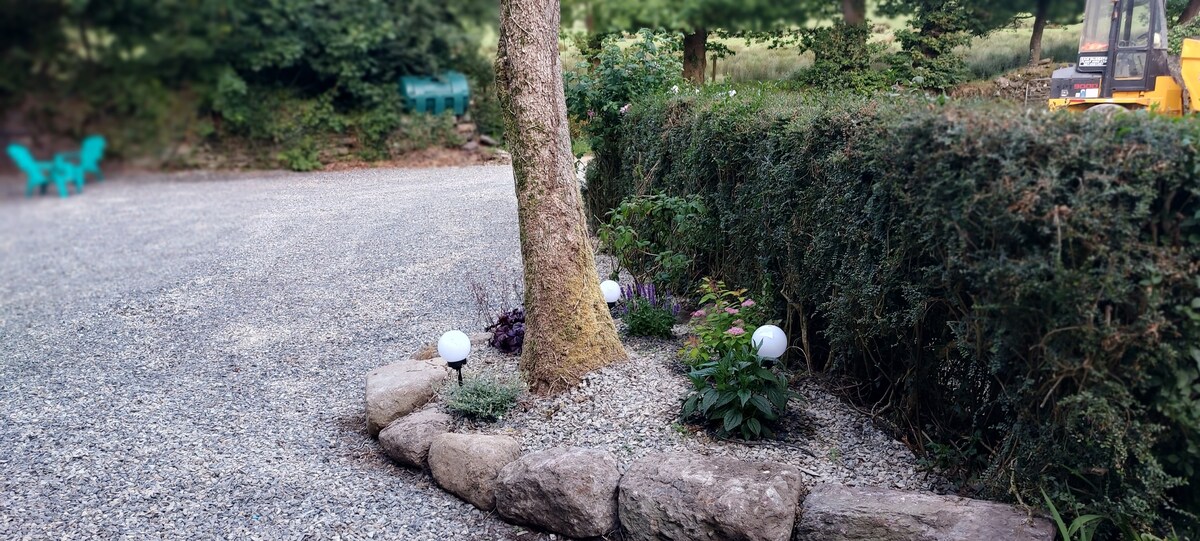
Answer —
643 318
1083 528
725 322
737 395
646 235
302 157
485 397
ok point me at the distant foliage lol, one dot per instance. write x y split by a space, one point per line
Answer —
484 397
293 76
599 95
508 332
844 58
1018 291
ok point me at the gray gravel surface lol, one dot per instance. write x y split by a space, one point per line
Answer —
183 357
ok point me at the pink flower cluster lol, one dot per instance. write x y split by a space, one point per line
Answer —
736 331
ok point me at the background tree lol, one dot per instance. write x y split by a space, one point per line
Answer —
1045 12
1187 11
568 328
697 20
854 12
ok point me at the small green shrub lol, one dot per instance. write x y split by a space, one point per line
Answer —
725 322
302 157
737 395
484 397
646 234
646 319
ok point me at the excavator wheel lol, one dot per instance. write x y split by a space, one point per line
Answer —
1105 109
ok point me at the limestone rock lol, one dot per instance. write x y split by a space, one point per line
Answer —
480 339
568 491
424 354
834 512
406 440
466 465
397 389
677 496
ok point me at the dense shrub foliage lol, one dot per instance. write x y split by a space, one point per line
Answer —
648 235
1016 291
598 96
295 75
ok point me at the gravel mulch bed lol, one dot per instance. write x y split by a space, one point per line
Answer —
632 409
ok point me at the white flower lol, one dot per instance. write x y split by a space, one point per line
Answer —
732 93
675 89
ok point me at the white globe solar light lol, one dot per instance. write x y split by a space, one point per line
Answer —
770 341
454 347
611 291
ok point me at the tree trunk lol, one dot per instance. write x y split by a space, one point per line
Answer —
854 12
568 329
1039 28
695 49
1189 12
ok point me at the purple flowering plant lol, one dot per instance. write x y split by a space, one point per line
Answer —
646 312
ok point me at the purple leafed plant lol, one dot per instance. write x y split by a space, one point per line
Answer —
508 332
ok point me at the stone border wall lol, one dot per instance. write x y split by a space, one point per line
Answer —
580 493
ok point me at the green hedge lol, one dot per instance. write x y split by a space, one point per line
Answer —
1016 292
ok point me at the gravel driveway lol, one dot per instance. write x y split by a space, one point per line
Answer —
184 357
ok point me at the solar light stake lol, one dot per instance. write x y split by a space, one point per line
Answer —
771 343
611 291
454 347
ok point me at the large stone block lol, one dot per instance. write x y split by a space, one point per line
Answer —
466 465
685 496
568 491
407 439
834 512
397 389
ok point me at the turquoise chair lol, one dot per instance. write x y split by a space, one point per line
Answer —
87 160
42 173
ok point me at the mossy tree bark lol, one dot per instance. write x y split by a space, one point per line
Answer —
568 329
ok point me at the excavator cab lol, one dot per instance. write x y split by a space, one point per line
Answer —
1123 61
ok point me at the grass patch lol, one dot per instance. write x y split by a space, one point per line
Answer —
1008 49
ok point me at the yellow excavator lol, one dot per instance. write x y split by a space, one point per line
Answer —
1124 63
